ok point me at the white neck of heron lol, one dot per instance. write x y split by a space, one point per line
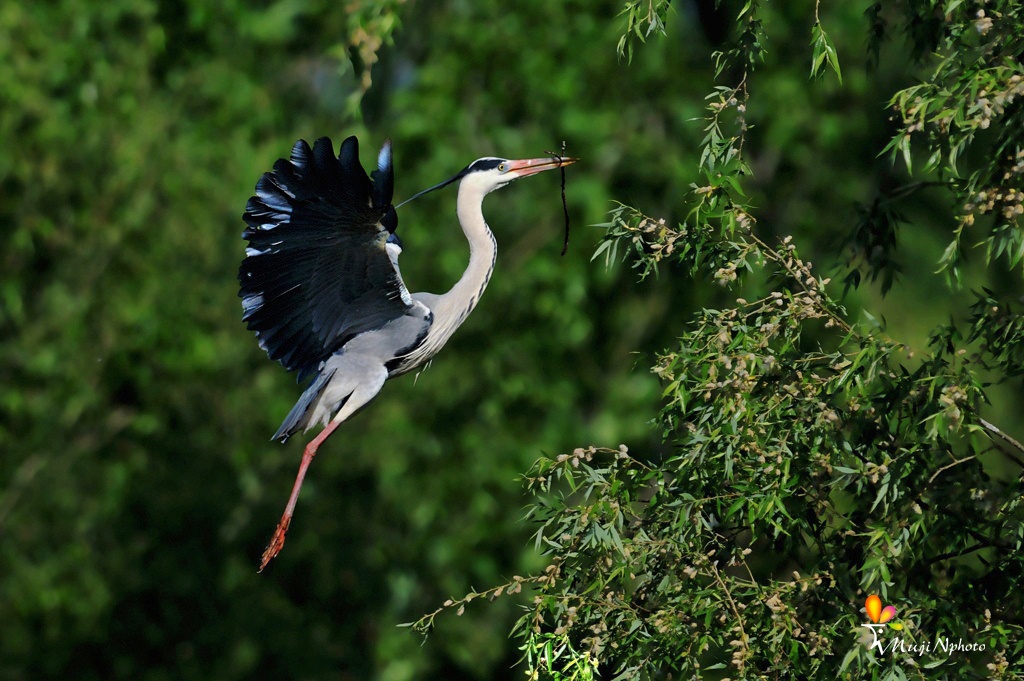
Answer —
483 250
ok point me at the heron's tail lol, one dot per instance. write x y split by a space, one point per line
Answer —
298 417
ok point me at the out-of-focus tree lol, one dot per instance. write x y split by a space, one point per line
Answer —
137 485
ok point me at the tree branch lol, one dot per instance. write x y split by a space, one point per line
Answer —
991 428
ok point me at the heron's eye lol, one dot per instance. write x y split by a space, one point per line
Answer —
502 167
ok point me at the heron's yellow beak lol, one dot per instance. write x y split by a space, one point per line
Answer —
532 166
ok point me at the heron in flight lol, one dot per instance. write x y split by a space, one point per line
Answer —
320 283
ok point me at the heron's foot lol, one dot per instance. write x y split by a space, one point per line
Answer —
276 542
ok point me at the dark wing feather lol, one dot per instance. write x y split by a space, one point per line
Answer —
317 272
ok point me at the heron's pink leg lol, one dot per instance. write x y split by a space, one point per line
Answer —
277 541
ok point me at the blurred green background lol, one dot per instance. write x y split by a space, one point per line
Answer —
137 483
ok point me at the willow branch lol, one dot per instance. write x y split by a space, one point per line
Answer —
991 428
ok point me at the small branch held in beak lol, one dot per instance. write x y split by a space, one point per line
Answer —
565 208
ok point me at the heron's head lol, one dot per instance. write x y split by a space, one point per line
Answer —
484 175
487 174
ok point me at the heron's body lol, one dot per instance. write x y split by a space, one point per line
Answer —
322 289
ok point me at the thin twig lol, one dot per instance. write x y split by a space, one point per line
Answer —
426 622
956 554
948 466
1005 438
735 610
778 259
565 208
906 189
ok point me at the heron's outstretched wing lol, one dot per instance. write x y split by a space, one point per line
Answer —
318 270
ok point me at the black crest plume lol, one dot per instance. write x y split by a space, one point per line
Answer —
317 272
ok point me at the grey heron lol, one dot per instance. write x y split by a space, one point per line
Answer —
321 287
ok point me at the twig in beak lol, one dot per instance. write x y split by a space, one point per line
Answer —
565 209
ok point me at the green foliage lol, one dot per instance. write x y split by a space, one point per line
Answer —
999 332
871 245
824 52
978 81
137 486
799 481
643 18
809 460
